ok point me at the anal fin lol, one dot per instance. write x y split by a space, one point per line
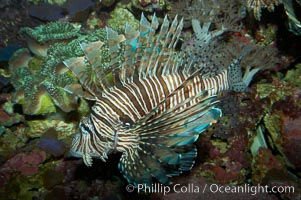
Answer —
165 142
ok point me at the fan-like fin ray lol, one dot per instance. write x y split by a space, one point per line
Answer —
92 52
78 66
114 40
131 42
165 146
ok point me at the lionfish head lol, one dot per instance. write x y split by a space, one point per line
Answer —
88 143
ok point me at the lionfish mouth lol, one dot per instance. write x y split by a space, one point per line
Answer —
81 147
72 151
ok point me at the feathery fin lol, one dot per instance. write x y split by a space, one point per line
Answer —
114 48
135 54
78 66
164 137
151 51
92 52
78 91
128 64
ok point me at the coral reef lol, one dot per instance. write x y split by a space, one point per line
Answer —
37 127
26 164
40 38
149 5
117 24
293 22
14 15
257 5
218 13
7 116
97 20
33 90
40 81
283 118
227 161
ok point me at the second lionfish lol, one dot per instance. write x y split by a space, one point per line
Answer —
151 102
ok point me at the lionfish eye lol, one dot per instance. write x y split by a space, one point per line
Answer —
127 125
84 128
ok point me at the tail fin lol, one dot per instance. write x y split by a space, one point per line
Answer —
236 81
165 141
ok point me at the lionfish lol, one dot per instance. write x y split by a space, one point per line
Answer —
151 104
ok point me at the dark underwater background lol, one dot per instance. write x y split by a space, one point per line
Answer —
256 141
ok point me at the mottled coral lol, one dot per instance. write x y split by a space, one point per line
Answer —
7 115
122 13
13 16
219 14
264 162
257 5
40 82
31 92
41 37
9 119
293 76
291 133
38 127
26 164
226 161
23 187
266 34
282 120
50 32
97 20
150 5
11 141
293 21
280 126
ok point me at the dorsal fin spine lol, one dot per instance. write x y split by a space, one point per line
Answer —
114 48
144 30
128 65
151 48
160 46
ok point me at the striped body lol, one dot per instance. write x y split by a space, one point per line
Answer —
120 107
156 106
133 100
